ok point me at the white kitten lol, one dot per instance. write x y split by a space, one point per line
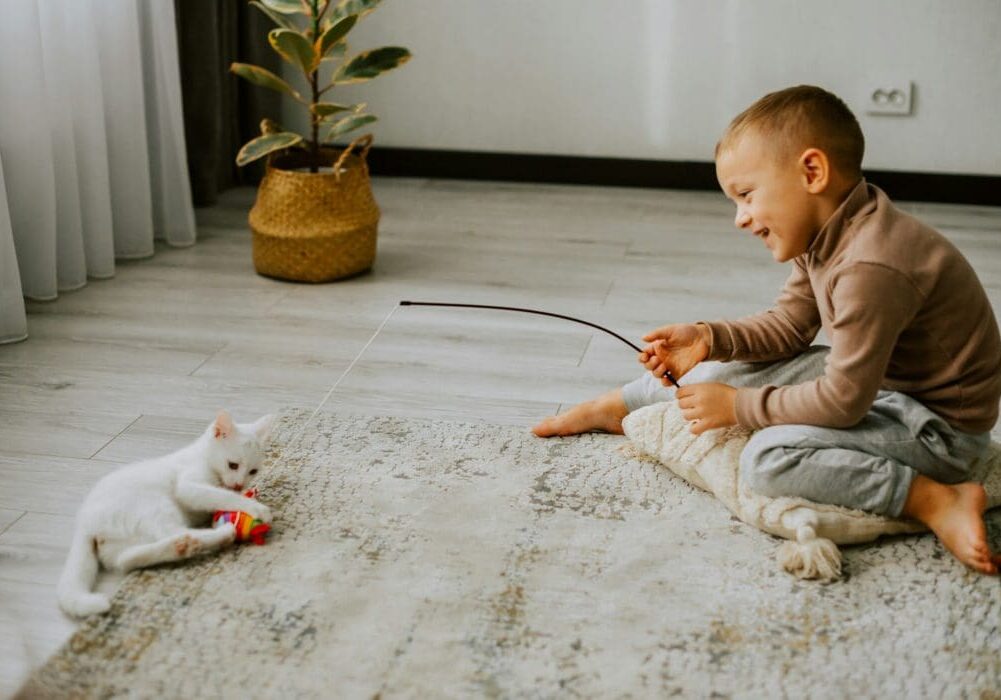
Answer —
159 510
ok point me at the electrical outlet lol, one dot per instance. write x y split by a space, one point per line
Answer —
894 98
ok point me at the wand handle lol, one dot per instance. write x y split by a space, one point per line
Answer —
668 375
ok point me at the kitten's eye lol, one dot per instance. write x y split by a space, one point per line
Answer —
234 465
253 471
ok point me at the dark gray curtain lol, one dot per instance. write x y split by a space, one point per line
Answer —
221 111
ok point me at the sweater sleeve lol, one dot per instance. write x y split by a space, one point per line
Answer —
871 304
785 330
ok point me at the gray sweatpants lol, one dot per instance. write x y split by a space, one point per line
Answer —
869 466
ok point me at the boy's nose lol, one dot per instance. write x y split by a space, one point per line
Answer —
742 220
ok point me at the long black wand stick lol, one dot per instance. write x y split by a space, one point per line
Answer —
668 375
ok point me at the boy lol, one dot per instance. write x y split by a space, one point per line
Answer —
891 417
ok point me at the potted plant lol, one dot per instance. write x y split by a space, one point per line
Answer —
315 218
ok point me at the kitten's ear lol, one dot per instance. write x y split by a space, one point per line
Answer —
261 427
223 426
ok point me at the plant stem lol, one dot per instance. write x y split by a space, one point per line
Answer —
314 82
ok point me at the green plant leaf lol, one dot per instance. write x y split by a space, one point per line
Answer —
325 109
276 17
286 7
349 124
293 47
263 145
334 34
352 7
264 78
369 64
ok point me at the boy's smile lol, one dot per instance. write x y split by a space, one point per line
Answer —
773 194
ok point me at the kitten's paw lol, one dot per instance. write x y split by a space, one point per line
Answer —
86 604
226 534
187 546
259 511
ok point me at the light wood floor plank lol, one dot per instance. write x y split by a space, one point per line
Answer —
35 389
152 436
45 484
33 549
105 354
54 428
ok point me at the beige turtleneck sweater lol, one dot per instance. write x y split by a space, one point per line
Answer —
903 309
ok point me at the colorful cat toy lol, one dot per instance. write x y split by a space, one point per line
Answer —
247 528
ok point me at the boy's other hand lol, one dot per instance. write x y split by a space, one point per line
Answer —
708 406
675 348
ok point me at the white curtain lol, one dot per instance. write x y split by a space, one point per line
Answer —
92 160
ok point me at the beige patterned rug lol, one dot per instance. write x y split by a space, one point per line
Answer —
417 559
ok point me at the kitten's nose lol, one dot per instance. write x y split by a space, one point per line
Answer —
237 487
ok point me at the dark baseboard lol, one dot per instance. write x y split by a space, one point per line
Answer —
669 174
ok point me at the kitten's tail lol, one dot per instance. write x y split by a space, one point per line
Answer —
77 580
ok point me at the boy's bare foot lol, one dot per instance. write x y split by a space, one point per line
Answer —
604 413
955 513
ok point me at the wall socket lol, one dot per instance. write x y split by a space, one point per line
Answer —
894 98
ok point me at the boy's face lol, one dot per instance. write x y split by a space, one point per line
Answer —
772 196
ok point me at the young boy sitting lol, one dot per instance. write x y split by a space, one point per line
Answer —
888 419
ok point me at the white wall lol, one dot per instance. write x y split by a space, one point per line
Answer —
661 78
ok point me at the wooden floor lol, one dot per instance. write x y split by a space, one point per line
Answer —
137 365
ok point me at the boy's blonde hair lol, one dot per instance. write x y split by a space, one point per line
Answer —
802 117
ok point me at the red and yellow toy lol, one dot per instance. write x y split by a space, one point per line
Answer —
247 528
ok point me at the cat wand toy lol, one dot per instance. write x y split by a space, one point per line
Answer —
667 375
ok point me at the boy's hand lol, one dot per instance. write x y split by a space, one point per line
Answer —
708 406
675 348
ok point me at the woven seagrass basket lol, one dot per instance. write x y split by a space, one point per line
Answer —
315 227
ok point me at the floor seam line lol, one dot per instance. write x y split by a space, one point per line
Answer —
116 436
208 359
587 346
13 522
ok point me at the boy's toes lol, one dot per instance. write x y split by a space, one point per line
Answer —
546 427
983 563
981 556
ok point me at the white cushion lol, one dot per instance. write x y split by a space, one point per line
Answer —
711 461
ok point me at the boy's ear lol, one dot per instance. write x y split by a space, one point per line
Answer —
223 426
815 169
262 427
